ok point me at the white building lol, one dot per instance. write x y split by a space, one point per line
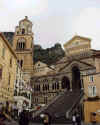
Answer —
22 91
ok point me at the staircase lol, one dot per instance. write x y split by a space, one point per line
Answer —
65 103
44 108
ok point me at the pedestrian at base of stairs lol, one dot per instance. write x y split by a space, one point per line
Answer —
23 118
78 119
74 119
46 118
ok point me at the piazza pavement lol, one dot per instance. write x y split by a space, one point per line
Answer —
16 123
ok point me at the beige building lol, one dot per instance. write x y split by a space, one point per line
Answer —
41 69
23 46
8 63
92 96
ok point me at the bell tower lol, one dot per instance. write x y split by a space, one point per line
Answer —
23 46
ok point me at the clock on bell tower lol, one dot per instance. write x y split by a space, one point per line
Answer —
23 45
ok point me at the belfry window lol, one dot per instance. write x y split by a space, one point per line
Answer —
21 63
23 31
21 44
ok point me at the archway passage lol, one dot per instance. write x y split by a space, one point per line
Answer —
76 82
65 83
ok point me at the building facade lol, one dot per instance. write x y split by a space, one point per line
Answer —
80 59
22 90
41 69
8 63
92 96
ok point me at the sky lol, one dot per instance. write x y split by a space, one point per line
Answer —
54 21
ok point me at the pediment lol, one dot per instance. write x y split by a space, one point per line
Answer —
40 64
77 41
80 64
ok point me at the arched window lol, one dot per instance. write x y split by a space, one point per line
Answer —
65 83
21 44
23 31
53 86
57 85
21 63
34 87
0 73
43 87
9 79
48 87
39 87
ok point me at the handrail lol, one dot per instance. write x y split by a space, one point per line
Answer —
42 109
81 94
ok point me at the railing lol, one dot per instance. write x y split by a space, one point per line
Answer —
53 100
69 112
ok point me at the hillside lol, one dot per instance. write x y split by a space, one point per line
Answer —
49 55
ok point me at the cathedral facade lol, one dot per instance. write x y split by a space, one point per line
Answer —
75 72
68 71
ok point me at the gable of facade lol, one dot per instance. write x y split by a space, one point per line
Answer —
80 64
41 68
77 44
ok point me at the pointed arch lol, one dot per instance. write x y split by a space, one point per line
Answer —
76 82
65 83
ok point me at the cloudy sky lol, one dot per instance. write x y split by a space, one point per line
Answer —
54 20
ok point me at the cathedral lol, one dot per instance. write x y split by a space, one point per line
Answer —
74 84
69 85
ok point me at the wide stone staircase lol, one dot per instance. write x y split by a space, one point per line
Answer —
62 107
